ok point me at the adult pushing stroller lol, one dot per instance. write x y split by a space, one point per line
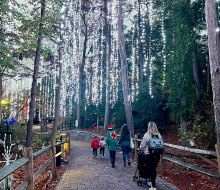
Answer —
146 169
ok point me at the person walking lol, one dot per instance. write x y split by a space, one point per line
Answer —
109 132
112 146
124 142
95 146
150 159
102 147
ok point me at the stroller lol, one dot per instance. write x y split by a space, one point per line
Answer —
143 170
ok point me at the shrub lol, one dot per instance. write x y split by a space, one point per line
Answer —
19 134
202 133
38 143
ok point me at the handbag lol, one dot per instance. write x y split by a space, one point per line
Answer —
131 142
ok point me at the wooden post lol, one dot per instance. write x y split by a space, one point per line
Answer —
135 147
29 171
53 153
217 148
69 144
162 165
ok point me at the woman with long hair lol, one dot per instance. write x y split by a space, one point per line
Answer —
124 142
151 160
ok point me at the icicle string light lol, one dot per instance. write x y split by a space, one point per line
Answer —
218 15
150 53
139 50
114 66
164 46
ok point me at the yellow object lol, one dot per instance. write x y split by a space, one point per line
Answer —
4 102
57 137
63 135
65 145
58 154
65 150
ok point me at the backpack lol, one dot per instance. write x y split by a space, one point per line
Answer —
102 144
155 145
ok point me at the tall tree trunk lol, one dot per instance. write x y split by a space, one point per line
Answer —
1 69
108 56
214 58
123 57
208 85
140 49
1 96
57 113
47 96
196 74
90 71
81 99
183 122
35 75
196 79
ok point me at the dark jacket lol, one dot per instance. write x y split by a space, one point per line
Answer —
124 137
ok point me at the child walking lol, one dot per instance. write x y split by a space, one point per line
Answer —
112 146
102 147
95 146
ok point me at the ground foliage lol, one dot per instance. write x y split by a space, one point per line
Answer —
42 182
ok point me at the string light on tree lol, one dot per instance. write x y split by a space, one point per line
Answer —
164 46
150 53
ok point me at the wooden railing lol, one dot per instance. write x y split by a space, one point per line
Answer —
198 153
27 162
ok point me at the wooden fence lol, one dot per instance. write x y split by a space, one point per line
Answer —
198 154
27 162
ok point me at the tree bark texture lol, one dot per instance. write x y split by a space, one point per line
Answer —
57 113
208 85
108 56
58 96
1 94
196 73
81 98
123 57
35 75
214 53
90 71
140 49
183 122
196 79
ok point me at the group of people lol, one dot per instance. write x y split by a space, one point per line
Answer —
124 141
95 144
113 143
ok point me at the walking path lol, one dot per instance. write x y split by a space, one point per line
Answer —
88 173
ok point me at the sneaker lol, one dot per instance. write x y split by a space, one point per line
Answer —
129 163
124 164
113 165
93 156
149 183
101 156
